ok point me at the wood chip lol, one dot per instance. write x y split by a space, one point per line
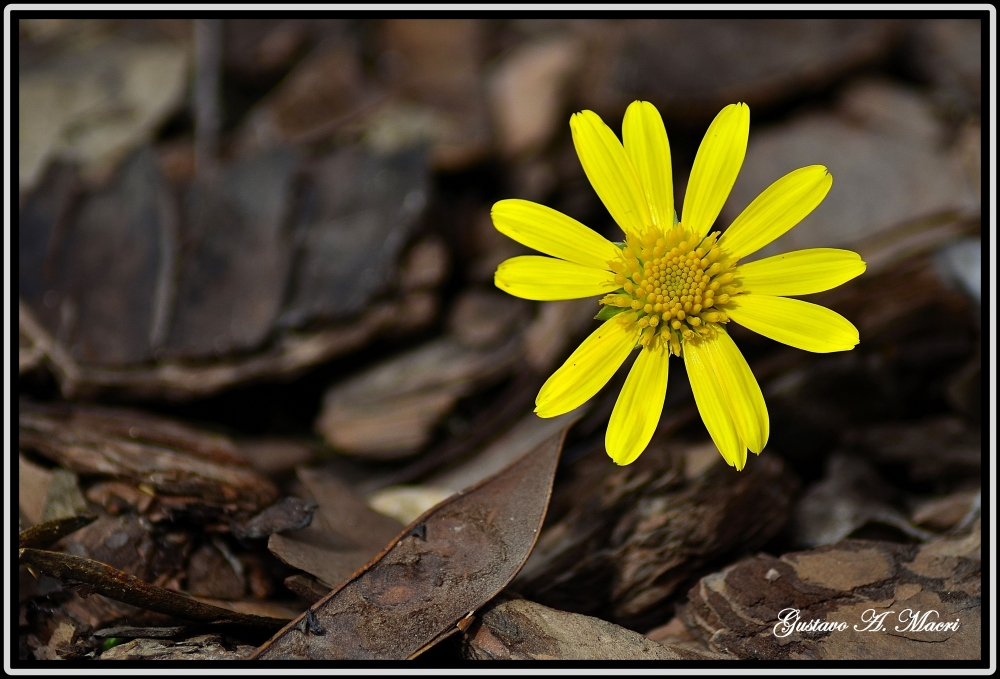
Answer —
875 588
632 535
523 630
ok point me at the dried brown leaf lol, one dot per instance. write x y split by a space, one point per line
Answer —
445 564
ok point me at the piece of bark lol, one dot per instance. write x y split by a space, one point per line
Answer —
850 496
483 318
737 610
323 91
226 489
547 338
124 543
941 514
389 411
60 638
961 265
306 587
436 63
100 307
523 630
121 586
633 535
273 456
862 144
238 257
44 218
948 53
119 498
525 435
258 50
425 265
290 513
692 68
528 92
468 437
358 210
930 450
186 292
204 647
289 356
145 427
345 513
676 635
63 498
32 487
96 104
211 574
139 632
444 565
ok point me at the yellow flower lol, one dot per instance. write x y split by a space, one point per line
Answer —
671 287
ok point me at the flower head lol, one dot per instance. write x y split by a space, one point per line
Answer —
671 287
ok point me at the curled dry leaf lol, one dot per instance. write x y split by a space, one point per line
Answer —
347 534
290 513
448 562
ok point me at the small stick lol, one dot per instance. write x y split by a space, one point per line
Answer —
121 586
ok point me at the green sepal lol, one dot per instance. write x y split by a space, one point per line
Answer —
111 642
675 217
621 245
607 312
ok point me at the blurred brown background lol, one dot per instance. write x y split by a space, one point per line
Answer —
278 229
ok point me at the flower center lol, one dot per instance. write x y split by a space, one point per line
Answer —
675 287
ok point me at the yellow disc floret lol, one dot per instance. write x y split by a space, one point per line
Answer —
675 287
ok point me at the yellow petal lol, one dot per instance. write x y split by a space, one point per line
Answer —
710 399
637 410
610 172
646 145
740 388
801 272
553 233
781 206
546 279
793 322
587 370
716 165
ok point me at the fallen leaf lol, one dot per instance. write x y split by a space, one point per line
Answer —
290 513
346 512
328 563
445 564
